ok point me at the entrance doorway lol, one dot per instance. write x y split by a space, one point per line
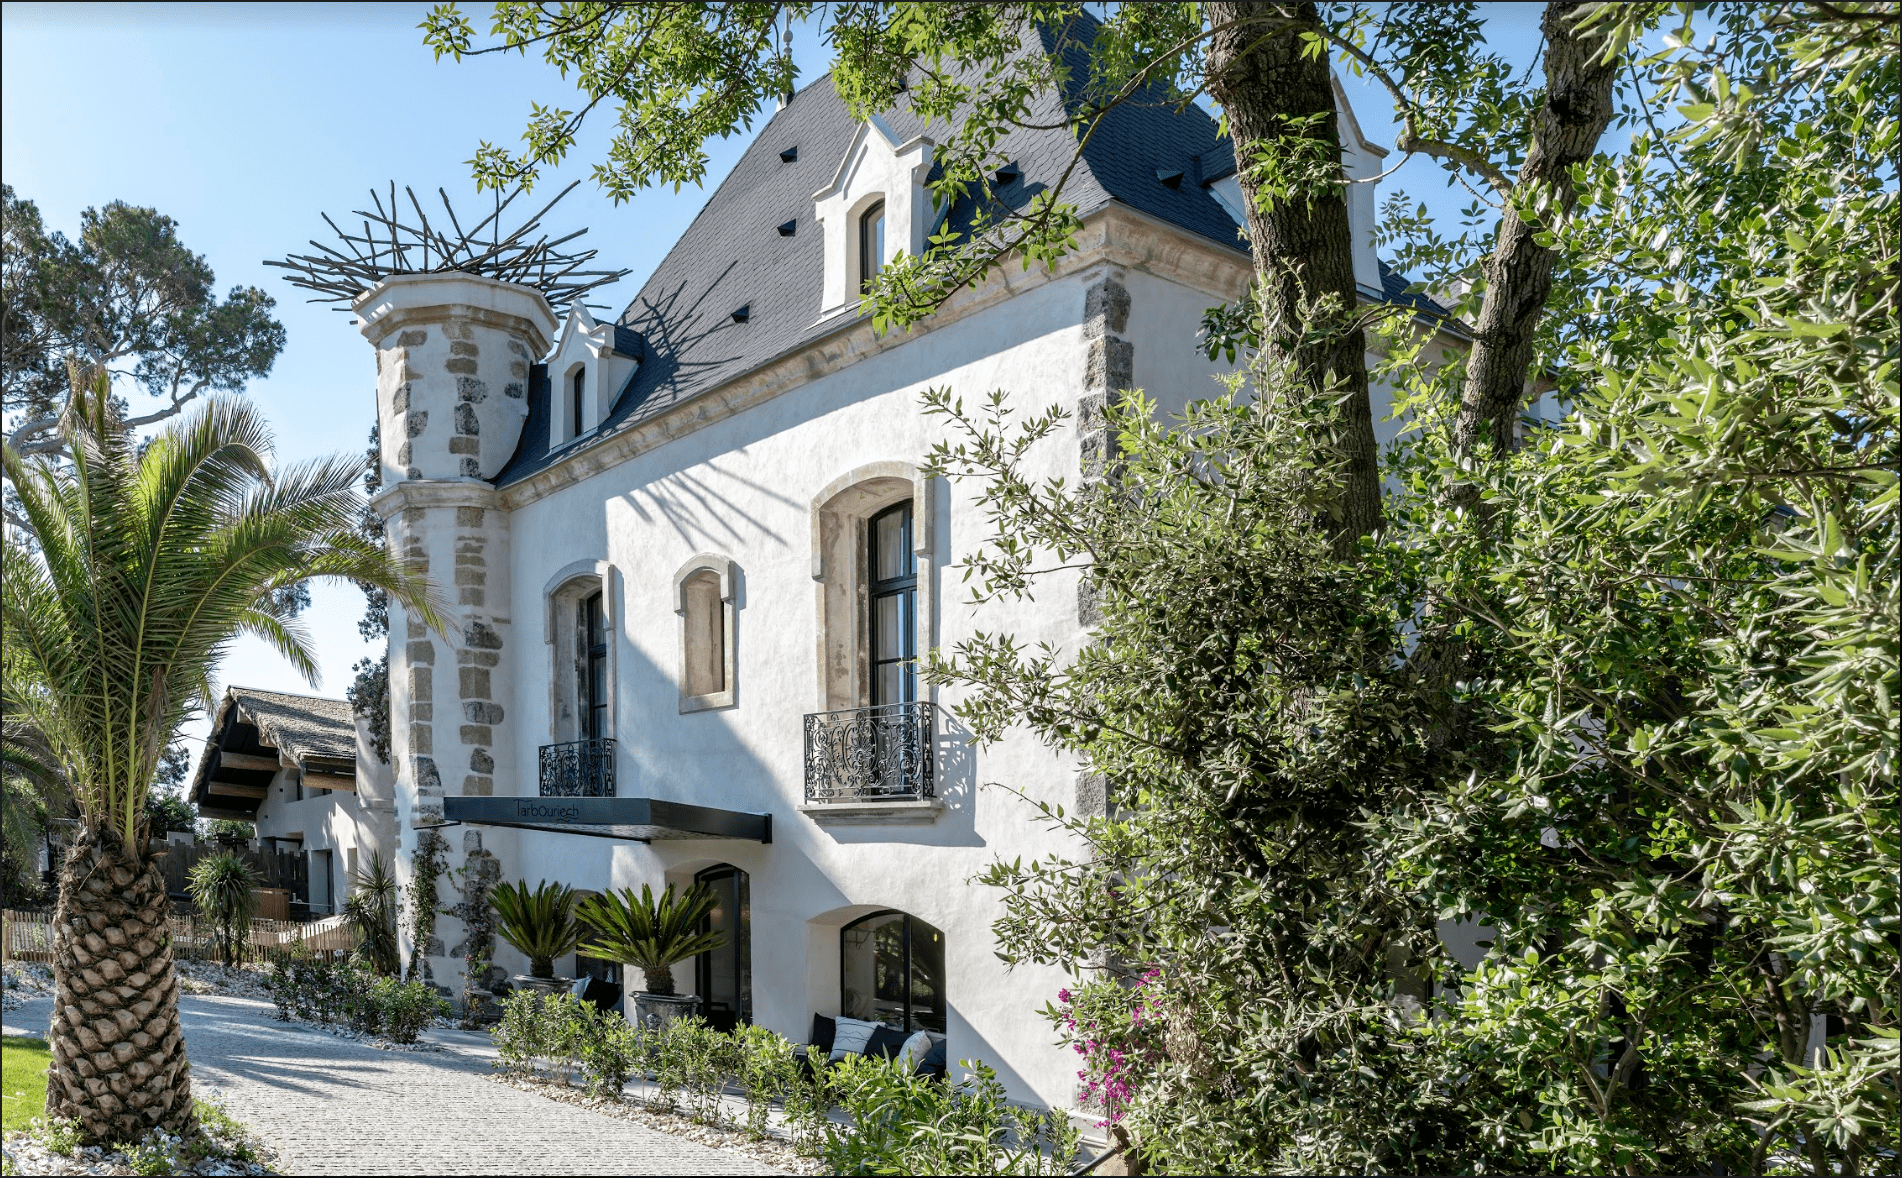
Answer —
724 977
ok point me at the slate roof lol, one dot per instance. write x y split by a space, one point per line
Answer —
305 726
733 256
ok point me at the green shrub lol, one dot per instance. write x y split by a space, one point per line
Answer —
766 1072
903 1123
324 991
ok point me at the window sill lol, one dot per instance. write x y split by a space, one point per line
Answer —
895 812
705 703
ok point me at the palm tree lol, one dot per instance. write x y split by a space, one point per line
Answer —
225 887
372 909
541 923
651 934
151 560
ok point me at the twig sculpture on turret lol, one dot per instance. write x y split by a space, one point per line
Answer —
388 247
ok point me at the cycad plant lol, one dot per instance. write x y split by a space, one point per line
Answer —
541 923
146 561
649 934
371 908
224 887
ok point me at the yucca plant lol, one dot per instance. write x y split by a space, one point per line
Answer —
541 923
146 561
371 908
649 934
224 887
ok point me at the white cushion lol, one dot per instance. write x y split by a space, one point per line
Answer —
915 1048
850 1037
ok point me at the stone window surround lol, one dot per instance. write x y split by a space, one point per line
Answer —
728 574
561 597
839 514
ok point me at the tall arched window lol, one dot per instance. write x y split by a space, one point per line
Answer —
576 389
871 244
891 971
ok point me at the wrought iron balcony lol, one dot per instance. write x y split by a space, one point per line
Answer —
578 769
865 754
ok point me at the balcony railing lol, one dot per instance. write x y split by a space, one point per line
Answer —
868 754
578 769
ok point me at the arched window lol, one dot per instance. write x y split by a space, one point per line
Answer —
724 977
576 388
891 971
703 597
871 244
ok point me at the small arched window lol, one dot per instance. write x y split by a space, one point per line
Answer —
871 244
577 387
704 591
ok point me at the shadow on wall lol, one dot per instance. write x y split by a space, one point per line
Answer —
702 514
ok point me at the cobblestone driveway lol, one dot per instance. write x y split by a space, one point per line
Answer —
333 1106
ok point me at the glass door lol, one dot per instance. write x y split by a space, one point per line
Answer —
724 977
893 602
594 691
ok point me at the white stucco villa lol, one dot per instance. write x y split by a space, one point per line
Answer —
690 554
301 768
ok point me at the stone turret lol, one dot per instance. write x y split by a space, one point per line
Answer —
453 358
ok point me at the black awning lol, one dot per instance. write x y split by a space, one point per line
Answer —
641 819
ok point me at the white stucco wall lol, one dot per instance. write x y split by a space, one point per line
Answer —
735 475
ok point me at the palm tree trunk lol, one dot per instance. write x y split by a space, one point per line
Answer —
119 1062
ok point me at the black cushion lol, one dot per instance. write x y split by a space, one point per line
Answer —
933 1063
823 1031
605 995
886 1043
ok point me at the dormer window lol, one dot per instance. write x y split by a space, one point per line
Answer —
871 245
577 387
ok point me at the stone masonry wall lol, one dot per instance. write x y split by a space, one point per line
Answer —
453 359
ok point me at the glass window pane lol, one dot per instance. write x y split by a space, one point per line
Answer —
891 547
872 969
888 683
888 628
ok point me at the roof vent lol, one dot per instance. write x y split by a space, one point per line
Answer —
743 314
789 228
1008 174
790 154
1170 179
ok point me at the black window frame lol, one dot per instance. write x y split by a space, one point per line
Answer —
905 587
577 396
743 949
941 1012
871 244
594 662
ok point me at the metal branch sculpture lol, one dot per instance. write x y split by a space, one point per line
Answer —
388 247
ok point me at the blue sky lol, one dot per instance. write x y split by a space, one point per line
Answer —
243 121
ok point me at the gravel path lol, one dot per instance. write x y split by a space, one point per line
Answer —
334 1106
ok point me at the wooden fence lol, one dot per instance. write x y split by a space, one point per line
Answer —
28 936
278 870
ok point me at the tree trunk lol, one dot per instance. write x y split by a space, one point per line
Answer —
1519 274
118 1053
1304 250
660 981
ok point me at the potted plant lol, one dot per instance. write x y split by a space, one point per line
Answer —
541 924
651 935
